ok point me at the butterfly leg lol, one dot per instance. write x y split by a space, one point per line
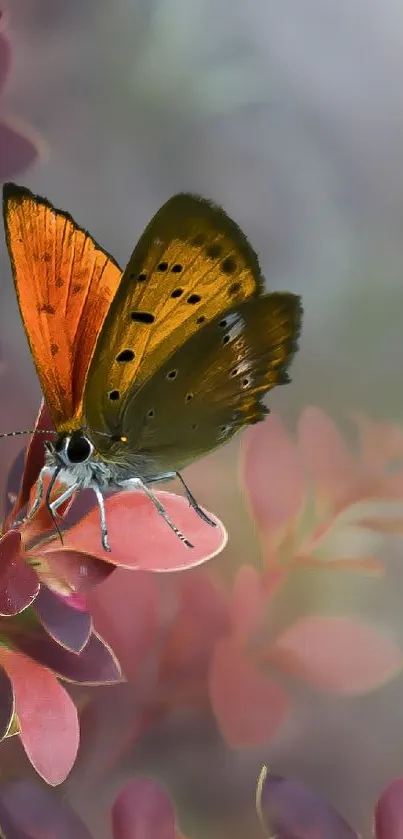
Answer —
63 497
137 483
46 470
104 529
192 501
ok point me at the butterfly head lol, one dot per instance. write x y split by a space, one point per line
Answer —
70 450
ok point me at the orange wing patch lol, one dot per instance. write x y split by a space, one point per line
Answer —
65 283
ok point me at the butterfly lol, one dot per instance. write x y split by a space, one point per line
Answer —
145 370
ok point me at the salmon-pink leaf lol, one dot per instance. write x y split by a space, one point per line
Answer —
131 628
248 598
388 818
47 717
248 706
272 473
324 453
6 704
28 811
336 654
140 538
143 810
69 627
19 584
289 810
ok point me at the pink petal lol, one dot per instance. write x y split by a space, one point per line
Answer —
141 539
5 59
248 598
46 715
6 703
249 708
13 483
19 148
324 454
125 610
68 572
143 810
96 663
272 473
19 584
388 819
34 459
69 627
28 811
289 810
336 654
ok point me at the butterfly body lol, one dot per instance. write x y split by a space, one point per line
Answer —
148 369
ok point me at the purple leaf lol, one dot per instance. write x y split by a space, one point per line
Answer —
388 819
289 810
143 810
35 452
18 150
28 811
95 664
19 584
5 59
6 704
68 626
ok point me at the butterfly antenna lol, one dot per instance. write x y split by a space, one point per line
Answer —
48 504
31 431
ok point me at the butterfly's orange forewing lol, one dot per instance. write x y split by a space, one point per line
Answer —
64 283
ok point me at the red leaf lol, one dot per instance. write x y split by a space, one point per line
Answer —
336 654
19 584
141 539
34 460
143 810
69 572
249 708
272 473
46 715
6 703
388 820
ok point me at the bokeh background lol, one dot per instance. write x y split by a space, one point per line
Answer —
290 115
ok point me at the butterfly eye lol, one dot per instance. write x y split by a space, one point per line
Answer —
78 449
176 269
177 292
114 395
194 298
172 374
163 266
